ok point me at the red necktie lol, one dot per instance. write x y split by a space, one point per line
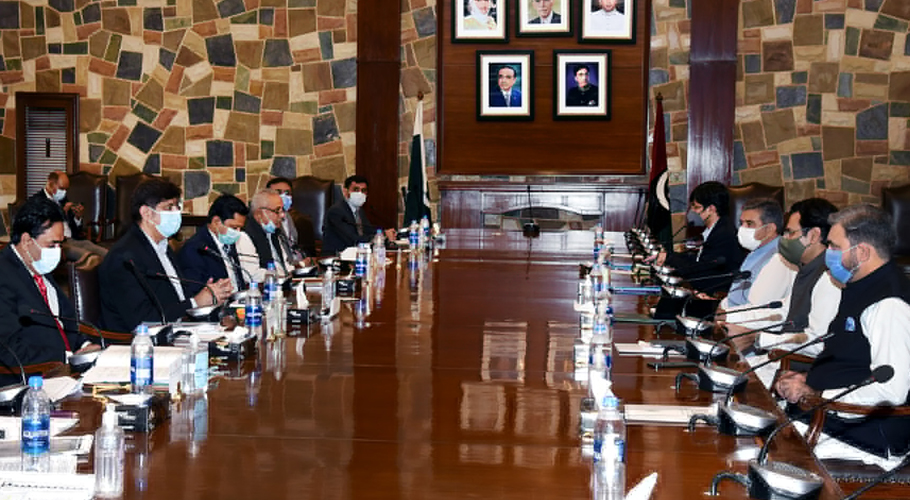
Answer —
39 280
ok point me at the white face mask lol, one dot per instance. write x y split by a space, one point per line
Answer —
50 257
170 222
746 237
358 199
59 195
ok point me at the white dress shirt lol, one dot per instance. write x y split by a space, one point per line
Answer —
603 21
249 258
774 282
825 302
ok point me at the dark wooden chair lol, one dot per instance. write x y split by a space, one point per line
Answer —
896 201
312 197
126 185
86 297
739 195
91 191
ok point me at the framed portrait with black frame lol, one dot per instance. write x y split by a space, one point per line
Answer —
607 21
479 21
537 18
505 85
581 84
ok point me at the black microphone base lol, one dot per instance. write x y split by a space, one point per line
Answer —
165 337
530 230
705 382
782 481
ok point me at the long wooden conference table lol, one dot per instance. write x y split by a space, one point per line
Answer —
460 384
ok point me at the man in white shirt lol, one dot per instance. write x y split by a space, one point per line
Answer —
139 280
871 329
76 246
607 20
261 242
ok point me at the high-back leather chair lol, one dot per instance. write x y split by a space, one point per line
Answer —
86 292
126 185
91 191
896 201
12 208
313 196
739 195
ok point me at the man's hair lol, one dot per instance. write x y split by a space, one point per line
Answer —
359 179
769 211
150 193
814 212
867 224
226 206
34 218
579 67
261 198
278 180
53 176
712 193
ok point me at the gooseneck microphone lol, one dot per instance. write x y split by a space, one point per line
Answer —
144 284
27 312
781 480
733 275
743 334
158 275
206 250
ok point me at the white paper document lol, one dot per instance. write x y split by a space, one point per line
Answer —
641 348
46 486
665 414
58 388
113 365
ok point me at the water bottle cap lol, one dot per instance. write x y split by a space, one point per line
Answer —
254 285
610 402
35 381
142 329
271 266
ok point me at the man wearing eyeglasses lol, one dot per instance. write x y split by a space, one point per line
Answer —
26 264
545 14
261 241
143 256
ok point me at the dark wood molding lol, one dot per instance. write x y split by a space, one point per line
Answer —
66 100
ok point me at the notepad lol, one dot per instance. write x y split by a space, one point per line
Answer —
665 414
58 388
113 366
46 486
641 348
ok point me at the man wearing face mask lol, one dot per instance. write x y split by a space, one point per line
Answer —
302 243
76 248
770 278
37 232
226 219
261 241
346 224
143 254
871 329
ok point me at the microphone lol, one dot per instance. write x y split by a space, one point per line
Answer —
718 378
215 253
531 229
165 336
689 326
27 312
736 275
719 343
782 480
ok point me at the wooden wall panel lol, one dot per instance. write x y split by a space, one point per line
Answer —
542 146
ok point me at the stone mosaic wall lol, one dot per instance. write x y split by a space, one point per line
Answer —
823 97
216 94
418 77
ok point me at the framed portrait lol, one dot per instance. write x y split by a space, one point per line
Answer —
607 21
505 85
581 87
479 21
544 18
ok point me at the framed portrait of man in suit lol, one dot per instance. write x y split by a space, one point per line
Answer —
607 21
581 86
505 85
479 21
544 18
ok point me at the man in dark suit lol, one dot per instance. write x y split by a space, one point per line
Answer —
76 248
262 241
142 256
719 254
212 253
505 96
545 14
345 222
26 264
302 241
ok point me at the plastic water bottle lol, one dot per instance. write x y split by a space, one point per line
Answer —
361 264
109 453
328 291
597 280
254 310
413 236
425 239
269 285
36 427
610 451
601 345
379 250
598 241
142 361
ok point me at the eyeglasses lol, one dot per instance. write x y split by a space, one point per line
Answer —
276 211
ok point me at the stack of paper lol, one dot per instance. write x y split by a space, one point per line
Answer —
113 366
665 414
58 388
641 348
46 486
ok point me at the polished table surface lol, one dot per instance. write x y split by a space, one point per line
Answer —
460 384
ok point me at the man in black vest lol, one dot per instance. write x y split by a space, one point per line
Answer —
871 329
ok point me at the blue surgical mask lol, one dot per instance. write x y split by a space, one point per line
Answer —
170 222
50 257
835 263
286 200
230 237
269 227
694 219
